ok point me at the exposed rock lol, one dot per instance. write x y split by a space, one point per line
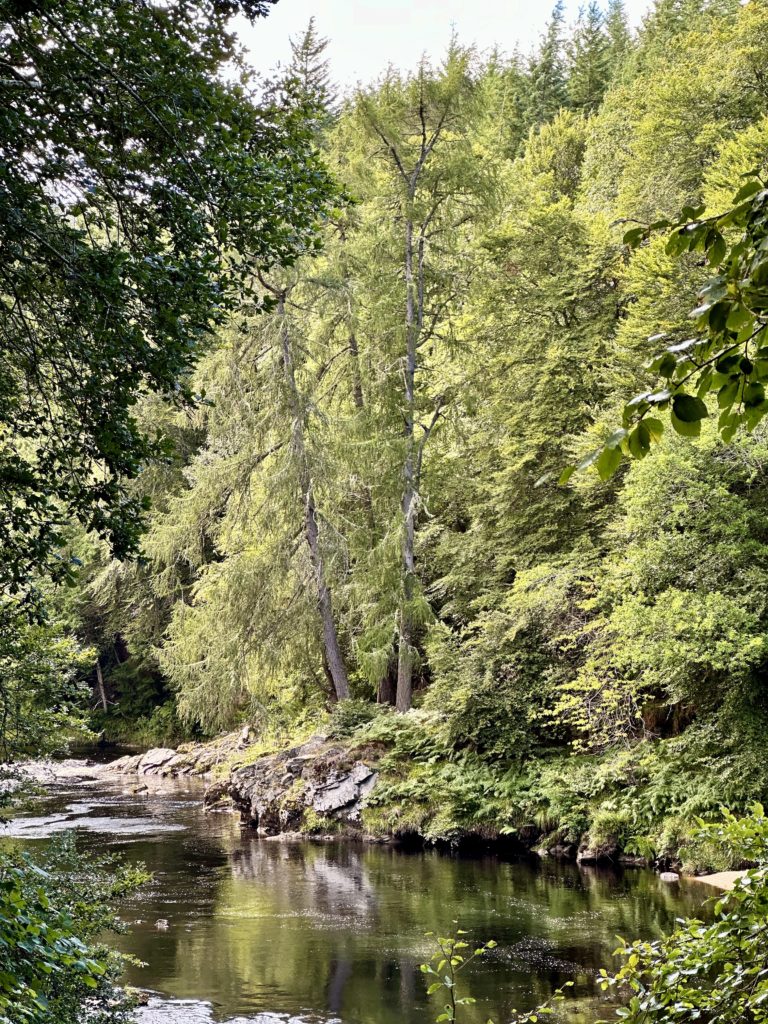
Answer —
49 773
345 791
560 851
216 794
633 860
724 880
606 851
188 759
154 760
586 855
124 765
669 876
276 792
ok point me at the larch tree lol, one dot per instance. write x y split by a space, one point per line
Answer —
417 129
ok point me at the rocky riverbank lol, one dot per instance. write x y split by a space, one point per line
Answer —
317 787
321 789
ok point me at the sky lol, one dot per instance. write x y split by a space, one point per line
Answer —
367 35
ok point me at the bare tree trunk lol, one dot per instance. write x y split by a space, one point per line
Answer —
333 653
414 322
406 626
331 646
100 682
357 379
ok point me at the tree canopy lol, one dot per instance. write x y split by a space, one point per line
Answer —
137 183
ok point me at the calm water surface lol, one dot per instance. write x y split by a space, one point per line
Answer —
264 931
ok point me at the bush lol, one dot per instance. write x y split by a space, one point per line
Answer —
713 972
350 715
53 967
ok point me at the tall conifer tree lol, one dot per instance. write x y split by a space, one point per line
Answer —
619 35
548 87
590 60
311 69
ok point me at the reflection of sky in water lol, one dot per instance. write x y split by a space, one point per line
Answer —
88 816
185 1011
273 932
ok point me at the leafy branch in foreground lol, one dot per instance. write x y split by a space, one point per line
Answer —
54 911
728 354
138 188
446 963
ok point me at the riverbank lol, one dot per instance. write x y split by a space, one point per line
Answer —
371 782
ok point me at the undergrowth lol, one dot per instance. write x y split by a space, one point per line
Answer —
643 799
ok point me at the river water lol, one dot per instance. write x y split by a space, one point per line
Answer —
262 931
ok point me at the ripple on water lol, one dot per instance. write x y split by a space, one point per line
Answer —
191 1011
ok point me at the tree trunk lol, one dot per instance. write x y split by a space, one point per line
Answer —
331 646
333 653
387 690
102 691
357 377
406 626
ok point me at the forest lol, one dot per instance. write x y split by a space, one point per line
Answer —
425 416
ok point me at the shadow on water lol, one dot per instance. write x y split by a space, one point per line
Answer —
264 931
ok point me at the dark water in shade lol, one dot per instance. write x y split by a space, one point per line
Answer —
264 931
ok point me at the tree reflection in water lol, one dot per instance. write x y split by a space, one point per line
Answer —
336 930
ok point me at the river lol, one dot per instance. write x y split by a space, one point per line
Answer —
263 931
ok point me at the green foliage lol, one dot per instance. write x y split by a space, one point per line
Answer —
371 484
590 59
446 963
718 970
140 709
136 180
452 956
350 715
53 966
727 356
41 697
314 824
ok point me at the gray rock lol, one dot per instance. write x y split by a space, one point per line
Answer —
49 773
633 860
124 765
566 851
345 792
153 760
273 793
669 876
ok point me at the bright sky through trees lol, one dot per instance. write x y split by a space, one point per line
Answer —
367 35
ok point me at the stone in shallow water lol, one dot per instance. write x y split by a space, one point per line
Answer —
155 759
669 876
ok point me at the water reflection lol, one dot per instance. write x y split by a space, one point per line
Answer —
301 931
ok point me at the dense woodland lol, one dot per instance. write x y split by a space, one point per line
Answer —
364 499
347 511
